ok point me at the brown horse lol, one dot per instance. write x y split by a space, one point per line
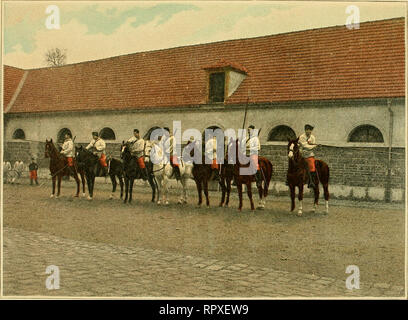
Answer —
59 168
266 173
297 177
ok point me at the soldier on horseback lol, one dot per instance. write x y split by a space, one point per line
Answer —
253 146
307 143
68 149
98 146
137 145
211 153
168 142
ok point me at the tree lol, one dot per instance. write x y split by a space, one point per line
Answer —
56 57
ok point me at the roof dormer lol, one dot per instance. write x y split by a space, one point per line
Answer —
224 78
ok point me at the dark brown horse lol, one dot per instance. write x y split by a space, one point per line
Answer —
242 178
59 168
297 177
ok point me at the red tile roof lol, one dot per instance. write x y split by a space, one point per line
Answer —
12 77
226 64
318 64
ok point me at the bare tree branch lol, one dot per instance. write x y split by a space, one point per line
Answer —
56 57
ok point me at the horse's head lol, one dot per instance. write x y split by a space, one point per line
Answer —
78 152
48 148
293 149
124 150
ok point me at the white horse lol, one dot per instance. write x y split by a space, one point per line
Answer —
16 172
163 172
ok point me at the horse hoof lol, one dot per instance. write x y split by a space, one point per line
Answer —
260 208
166 202
89 198
158 202
299 214
111 197
51 196
84 195
76 196
180 202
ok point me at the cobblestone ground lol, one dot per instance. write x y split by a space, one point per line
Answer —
93 269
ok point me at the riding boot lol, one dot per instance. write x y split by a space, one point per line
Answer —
177 173
104 171
36 182
31 182
311 184
144 174
258 178
216 175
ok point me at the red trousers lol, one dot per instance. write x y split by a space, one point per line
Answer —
254 160
102 160
214 164
140 162
33 174
70 162
311 164
174 161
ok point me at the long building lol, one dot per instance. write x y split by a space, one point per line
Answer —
348 83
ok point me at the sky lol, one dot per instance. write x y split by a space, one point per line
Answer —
94 30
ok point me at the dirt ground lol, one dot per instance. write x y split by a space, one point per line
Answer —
371 238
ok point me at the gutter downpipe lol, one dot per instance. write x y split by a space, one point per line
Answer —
391 125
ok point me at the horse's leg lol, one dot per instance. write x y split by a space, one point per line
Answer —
239 188
260 193
316 192
54 178
59 185
199 190
228 191
92 185
205 186
300 198
132 181
126 189
249 193
83 183
114 184
120 177
223 191
153 186
292 196
75 174
325 183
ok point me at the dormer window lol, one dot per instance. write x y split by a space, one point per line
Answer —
217 87
224 78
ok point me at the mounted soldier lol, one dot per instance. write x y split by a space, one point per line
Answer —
137 145
307 143
211 153
253 147
68 150
98 147
169 146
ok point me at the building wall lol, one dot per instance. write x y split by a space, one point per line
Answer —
333 124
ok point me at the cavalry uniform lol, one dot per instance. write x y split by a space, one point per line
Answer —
68 151
307 144
33 167
253 146
98 146
211 152
137 150
169 145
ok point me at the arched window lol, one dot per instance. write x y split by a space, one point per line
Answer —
107 134
366 133
61 134
149 132
19 134
281 133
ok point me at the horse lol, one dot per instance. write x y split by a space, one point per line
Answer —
163 172
115 170
297 176
59 168
89 163
132 172
266 169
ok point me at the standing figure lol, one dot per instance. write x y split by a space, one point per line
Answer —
307 143
253 147
98 146
137 145
33 167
